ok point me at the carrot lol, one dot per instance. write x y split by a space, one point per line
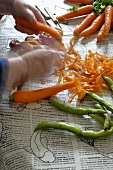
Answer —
101 33
39 27
107 25
108 18
112 24
26 96
83 2
85 23
96 24
84 10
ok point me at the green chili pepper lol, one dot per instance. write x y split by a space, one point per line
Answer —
101 101
75 110
108 81
74 129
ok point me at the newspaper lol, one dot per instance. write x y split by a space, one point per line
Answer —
23 149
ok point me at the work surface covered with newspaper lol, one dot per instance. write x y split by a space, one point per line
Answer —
22 148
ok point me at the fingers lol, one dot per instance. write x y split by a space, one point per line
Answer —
39 17
24 29
43 62
32 16
25 9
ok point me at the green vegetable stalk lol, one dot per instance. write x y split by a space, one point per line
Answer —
100 5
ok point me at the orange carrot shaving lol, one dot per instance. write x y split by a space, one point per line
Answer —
26 96
39 27
82 94
88 72
33 42
84 10
71 97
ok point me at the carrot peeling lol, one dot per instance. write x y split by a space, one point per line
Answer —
39 27
87 72
27 96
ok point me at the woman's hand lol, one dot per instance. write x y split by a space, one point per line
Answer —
34 64
24 9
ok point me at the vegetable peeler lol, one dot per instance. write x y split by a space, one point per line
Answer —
49 17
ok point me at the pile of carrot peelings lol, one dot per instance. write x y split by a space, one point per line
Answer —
88 72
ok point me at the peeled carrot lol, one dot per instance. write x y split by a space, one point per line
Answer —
101 33
85 23
97 23
39 27
83 2
108 19
27 96
84 10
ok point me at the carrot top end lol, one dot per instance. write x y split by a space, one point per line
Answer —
100 5
11 97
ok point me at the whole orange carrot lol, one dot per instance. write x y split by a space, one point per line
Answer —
85 23
107 25
39 27
101 33
26 96
83 2
84 10
108 18
97 23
